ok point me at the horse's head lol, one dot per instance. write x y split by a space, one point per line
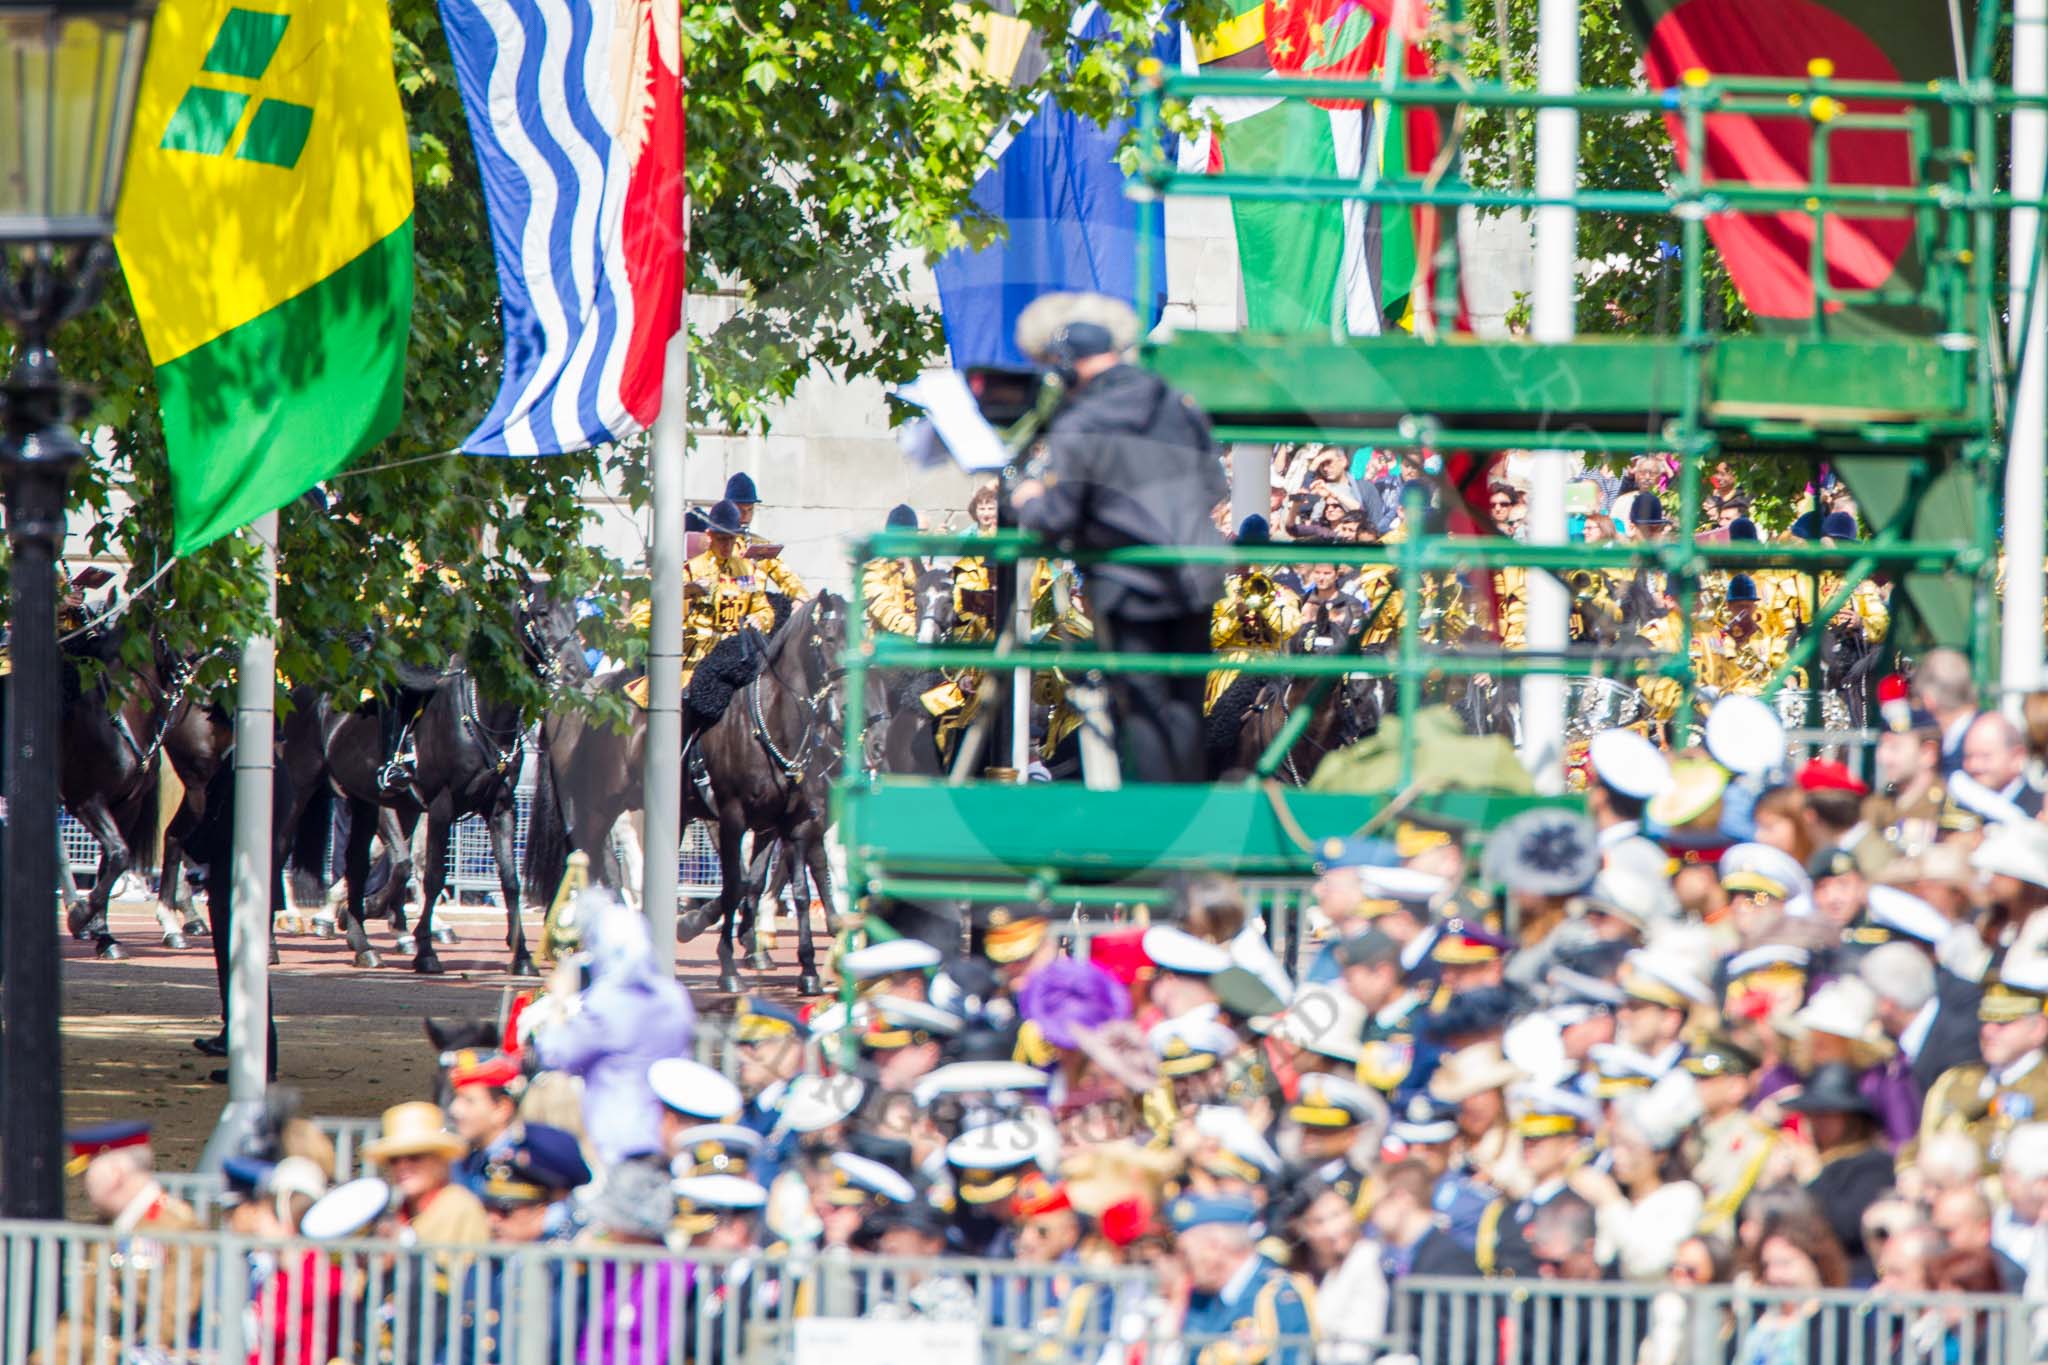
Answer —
937 612
547 632
1359 708
816 634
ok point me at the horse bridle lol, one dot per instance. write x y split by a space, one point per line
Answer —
546 659
795 767
502 758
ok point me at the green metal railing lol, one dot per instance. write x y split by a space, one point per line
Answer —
1412 662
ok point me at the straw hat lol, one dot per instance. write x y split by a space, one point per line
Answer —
415 1128
1472 1071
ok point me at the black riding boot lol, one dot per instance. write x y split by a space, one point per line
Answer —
395 777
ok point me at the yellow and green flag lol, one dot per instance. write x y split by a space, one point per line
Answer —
265 230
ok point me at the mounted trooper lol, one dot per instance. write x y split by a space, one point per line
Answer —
777 576
723 601
886 585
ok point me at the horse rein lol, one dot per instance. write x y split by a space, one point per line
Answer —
794 768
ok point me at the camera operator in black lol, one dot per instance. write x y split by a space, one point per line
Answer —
1128 461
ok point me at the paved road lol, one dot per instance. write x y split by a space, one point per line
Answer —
350 1040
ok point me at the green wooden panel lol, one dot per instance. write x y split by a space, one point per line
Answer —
924 826
1830 382
1795 388
1237 376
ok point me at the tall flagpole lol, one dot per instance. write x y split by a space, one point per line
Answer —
1553 320
248 1007
2026 449
664 758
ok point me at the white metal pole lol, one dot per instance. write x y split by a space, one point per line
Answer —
1020 679
248 1006
664 770
2026 452
1552 320
249 954
1251 484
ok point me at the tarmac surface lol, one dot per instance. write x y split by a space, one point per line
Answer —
350 1039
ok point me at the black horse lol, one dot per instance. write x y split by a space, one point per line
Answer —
119 721
469 748
1251 713
789 717
910 739
771 757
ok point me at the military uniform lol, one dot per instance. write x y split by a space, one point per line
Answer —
734 600
886 589
511 1311
1379 590
1255 616
1344 1176
1501 1248
1735 1152
1985 1105
1068 1320
1907 826
1461 1198
1866 602
778 576
1393 1060
1663 695
137 1274
1250 1316
1511 606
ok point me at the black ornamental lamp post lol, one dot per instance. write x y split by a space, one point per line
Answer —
69 73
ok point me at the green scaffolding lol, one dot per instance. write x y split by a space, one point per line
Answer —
1911 420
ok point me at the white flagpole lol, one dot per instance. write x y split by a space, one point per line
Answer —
248 1005
664 759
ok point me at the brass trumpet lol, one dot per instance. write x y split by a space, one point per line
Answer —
1257 592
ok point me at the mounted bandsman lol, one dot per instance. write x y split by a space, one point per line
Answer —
767 559
722 592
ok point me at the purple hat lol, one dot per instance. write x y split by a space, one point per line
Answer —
1067 996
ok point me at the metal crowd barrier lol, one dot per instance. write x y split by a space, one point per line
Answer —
1569 1322
77 1295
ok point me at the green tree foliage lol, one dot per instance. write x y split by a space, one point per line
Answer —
831 148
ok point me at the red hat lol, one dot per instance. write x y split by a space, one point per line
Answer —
1121 954
1826 775
498 1072
1894 702
1125 1221
1036 1195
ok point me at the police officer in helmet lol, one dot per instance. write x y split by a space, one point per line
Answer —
1128 461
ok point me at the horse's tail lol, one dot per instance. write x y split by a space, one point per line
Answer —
306 858
547 833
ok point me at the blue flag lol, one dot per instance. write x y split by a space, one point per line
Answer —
1059 190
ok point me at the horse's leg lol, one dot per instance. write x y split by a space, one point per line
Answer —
500 824
801 852
355 874
174 902
731 876
425 959
398 850
114 860
820 866
765 882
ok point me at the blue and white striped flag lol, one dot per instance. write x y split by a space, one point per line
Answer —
576 110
